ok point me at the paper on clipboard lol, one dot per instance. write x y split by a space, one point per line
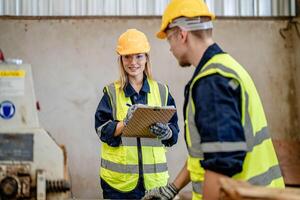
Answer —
143 117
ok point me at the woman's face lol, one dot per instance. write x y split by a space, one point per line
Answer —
134 64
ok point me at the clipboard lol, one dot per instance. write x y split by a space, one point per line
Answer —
143 117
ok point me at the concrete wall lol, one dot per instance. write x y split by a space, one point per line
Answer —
295 52
72 60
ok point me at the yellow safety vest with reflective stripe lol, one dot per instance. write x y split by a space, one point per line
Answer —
120 165
260 166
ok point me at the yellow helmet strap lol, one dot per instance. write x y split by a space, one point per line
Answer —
191 24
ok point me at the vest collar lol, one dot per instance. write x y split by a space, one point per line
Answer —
210 52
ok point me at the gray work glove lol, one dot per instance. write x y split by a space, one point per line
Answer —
162 131
167 192
129 115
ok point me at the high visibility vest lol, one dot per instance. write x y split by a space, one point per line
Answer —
260 166
120 165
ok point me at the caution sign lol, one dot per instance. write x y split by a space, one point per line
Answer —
12 82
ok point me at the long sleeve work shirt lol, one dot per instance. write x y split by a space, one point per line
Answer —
217 116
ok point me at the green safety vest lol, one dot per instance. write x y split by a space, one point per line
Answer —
260 166
120 165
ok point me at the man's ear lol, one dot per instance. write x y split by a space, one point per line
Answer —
183 36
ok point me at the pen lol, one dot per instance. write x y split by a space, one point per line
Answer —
127 104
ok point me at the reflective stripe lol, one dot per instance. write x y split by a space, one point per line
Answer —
99 129
131 141
248 130
220 66
113 97
153 142
197 187
163 91
261 136
212 147
134 169
129 169
195 150
267 177
155 168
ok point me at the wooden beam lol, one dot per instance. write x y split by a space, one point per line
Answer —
237 190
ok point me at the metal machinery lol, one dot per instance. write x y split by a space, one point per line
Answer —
32 164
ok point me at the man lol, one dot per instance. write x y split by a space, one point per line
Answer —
225 125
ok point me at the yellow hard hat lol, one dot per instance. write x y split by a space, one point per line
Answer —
132 42
183 8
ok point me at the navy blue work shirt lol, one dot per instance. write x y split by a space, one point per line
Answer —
217 116
104 114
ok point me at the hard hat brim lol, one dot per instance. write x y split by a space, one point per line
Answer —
161 35
123 53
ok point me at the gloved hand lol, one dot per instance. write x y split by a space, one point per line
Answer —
167 192
162 131
130 111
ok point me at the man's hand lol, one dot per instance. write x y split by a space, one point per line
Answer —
162 131
129 115
167 192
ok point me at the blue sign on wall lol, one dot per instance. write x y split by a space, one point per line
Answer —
7 109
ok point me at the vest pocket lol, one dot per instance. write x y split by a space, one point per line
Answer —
159 154
113 165
113 178
155 168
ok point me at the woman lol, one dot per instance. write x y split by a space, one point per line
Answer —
129 166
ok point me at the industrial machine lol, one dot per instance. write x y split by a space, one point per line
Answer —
32 164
